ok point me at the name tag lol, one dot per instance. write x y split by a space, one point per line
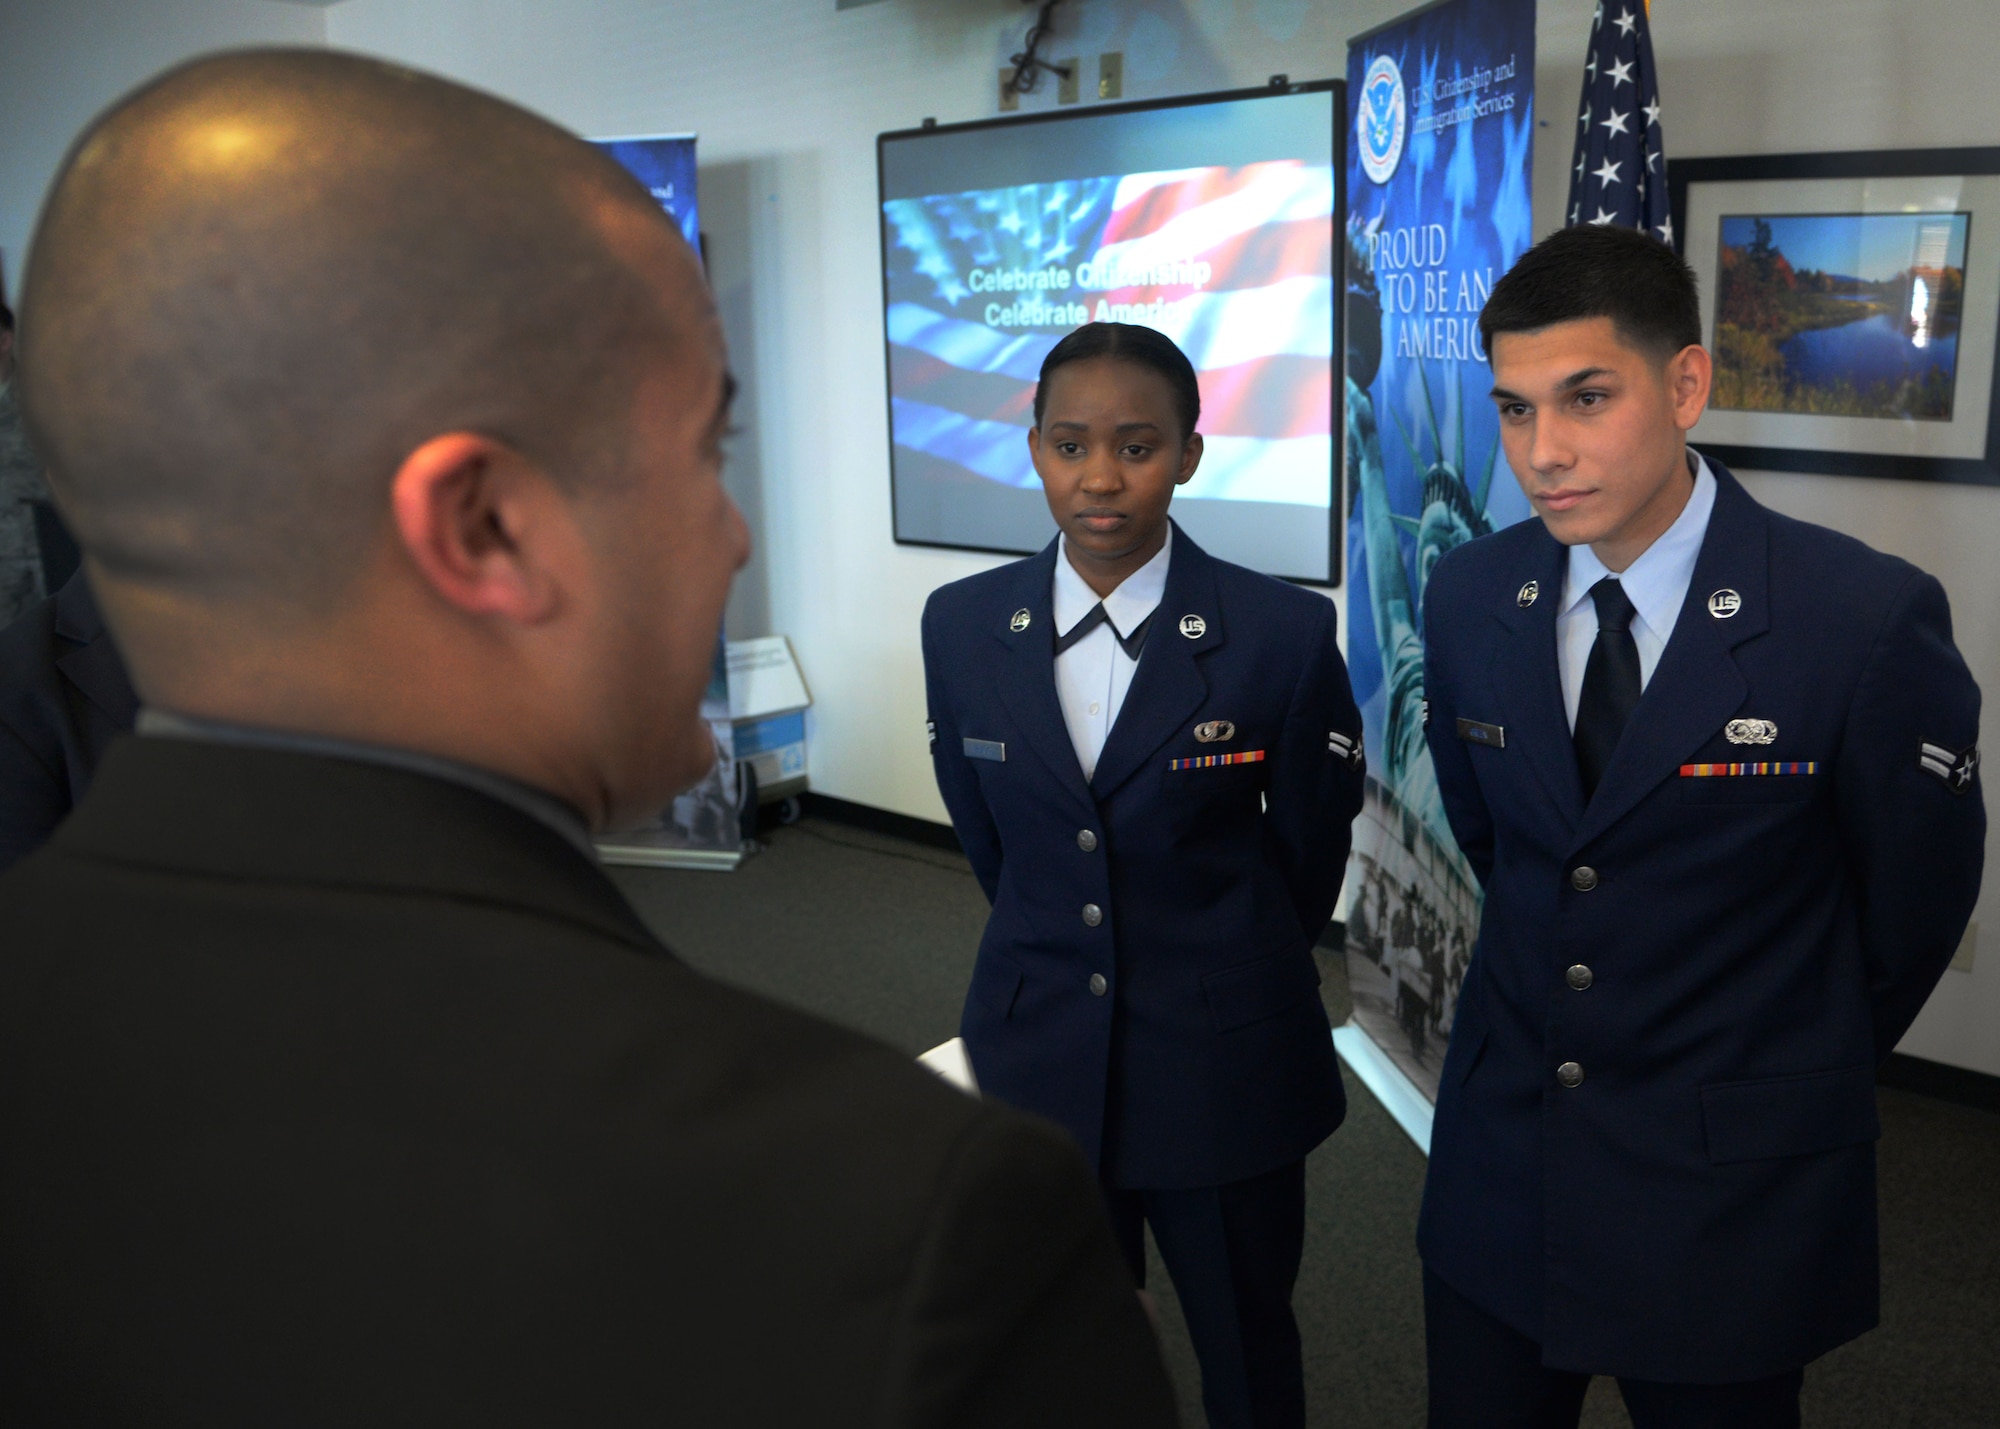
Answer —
1473 731
991 749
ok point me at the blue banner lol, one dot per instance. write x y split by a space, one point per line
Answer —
1439 164
664 163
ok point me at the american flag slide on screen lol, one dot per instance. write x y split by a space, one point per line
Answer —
1234 264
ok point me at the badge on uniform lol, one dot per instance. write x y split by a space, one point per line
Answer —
1953 768
991 749
1750 731
1748 771
1021 620
931 726
1347 746
1215 731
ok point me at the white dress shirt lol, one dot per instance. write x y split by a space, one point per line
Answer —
1093 675
1656 584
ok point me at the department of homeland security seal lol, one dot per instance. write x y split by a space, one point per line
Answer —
1380 119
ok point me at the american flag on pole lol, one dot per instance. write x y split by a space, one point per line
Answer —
1235 264
1620 174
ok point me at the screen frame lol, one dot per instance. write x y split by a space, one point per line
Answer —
1279 87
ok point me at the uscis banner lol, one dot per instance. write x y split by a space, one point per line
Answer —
1438 208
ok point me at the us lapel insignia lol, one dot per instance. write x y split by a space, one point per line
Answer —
1528 594
1750 731
1724 603
1193 626
1215 731
1954 768
1020 620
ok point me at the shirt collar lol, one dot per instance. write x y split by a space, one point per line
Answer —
544 807
1136 597
1657 582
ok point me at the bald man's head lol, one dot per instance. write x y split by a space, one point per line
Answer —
264 279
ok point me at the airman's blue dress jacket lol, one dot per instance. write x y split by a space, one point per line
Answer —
1654 1149
1201 1055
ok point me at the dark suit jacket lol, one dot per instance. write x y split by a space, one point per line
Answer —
1702 1206
1206 1059
334 1094
64 697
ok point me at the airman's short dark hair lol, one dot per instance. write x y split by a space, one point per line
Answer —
1599 271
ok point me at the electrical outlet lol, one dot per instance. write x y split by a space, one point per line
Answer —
1010 98
1069 87
1961 961
1111 75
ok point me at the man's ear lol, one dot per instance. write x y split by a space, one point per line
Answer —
1690 373
479 521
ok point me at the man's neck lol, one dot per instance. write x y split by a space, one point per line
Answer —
1651 521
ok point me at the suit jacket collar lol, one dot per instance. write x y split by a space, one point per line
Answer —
1697 686
270 816
1694 689
1525 673
91 662
1166 688
1022 620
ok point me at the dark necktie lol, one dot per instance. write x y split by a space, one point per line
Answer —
1131 643
1610 684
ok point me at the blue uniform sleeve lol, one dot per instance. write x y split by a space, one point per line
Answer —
978 835
1315 784
1464 805
1911 810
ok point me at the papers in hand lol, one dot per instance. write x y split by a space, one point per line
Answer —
949 1061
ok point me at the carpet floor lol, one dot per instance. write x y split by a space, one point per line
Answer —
879 934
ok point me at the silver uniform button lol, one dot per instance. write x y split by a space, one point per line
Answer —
1086 840
1092 915
1570 1074
1098 985
1580 977
1583 878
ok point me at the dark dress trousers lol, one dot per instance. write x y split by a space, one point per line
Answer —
336 1094
64 696
1654 1151
1146 978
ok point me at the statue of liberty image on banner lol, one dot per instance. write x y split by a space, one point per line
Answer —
1438 205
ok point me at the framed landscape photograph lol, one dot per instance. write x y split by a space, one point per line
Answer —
1852 306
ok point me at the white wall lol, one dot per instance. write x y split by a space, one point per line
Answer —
788 96
63 60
